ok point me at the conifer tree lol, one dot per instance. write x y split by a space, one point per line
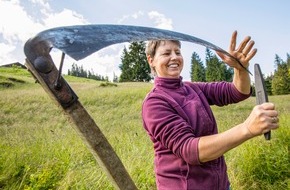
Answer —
197 72
134 66
216 70
213 67
268 84
126 68
281 79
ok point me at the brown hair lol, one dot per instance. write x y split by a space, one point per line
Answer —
154 44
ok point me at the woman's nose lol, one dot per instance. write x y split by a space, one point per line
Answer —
174 55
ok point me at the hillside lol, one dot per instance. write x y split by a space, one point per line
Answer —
40 149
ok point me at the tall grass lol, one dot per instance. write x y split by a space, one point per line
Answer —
258 164
40 149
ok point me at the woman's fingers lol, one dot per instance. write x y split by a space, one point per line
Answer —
243 45
248 47
233 41
251 54
268 106
263 118
244 53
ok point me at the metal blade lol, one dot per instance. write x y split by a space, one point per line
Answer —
80 41
261 93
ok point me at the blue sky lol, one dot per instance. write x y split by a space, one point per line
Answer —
267 22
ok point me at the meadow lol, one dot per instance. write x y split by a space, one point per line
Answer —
39 148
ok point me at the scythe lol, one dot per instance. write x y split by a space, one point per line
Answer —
79 42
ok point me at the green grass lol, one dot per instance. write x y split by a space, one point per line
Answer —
14 77
258 164
40 149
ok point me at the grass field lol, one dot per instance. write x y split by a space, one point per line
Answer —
41 150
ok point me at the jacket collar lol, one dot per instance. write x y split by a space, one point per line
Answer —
171 83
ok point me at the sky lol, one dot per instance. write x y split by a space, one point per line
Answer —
267 22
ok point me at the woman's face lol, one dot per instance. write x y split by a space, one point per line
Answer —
168 61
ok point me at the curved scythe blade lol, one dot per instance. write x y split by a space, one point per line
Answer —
80 41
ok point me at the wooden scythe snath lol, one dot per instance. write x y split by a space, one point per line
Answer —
87 129
79 42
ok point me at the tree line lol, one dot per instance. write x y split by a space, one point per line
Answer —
134 67
79 71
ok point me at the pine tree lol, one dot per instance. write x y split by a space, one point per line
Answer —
216 70
229 73
268 84
134 65
281 79
126 68
197 72
213 67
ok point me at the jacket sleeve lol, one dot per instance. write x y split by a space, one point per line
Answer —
221 93
163 124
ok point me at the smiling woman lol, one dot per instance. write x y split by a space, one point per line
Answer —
177 117
165 58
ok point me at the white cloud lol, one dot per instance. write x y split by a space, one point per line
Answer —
42 3
24 24
138 14
135 16
6 53
160 20
17 28
65 18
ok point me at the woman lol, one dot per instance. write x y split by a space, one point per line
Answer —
179 121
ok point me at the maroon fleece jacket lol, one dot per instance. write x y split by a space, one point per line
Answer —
175 115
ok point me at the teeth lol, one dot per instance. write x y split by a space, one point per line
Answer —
173 65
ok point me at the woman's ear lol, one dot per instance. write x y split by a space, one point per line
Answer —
150 60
